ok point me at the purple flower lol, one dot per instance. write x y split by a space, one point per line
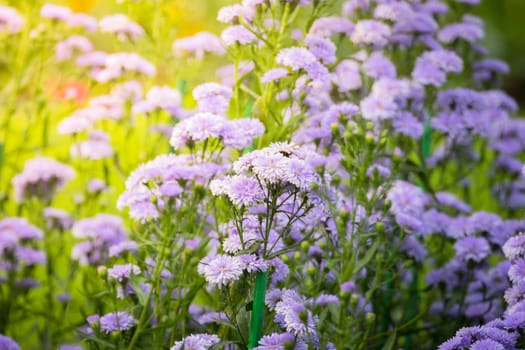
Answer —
57 219
514 247
378 66
65 48
198 128
252 263
116 322
7 343
122 273
472 248
323 49
432 66
232 14
121 247
487 344
237 34
515 320
276 341
196 342
221 269
198 45
327 26
293 315
240 189
118 63
407 198
492 65
95 148
122 26
274 75
100 233
270 167
371 33
55 12
212 97
82 20
517 271
239 133
407 124
469 32
296 58
41 177
159 97
347 76
10 19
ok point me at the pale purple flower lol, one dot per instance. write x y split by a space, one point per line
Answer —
75 43
239 133
276 341
122 26
469 32
240 189
118 63
295 57
198 45
237 34
121 247
198 128
55 12
58 219
327 26
122 273
196 342
212 97
371 33
407 124
160 97
432 66
96 147
322 48
274 74
92 59
379 66
517 271
99 232
472 248
270 167
221 269
7 343
41 177
10 19
89 23
116 322
514 247
132 91
233 13
252 263
347 76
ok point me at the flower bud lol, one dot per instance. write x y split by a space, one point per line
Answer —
370 318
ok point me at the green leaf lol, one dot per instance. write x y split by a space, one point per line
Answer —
368 256
143 298
391 341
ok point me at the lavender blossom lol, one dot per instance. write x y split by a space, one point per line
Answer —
41 177
10 20
116 322
197 342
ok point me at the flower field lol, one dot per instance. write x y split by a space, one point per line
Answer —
258 174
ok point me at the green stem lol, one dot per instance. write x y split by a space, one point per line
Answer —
261 280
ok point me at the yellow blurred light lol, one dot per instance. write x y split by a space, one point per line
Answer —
82 5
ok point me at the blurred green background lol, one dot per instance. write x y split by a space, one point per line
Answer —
505 39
